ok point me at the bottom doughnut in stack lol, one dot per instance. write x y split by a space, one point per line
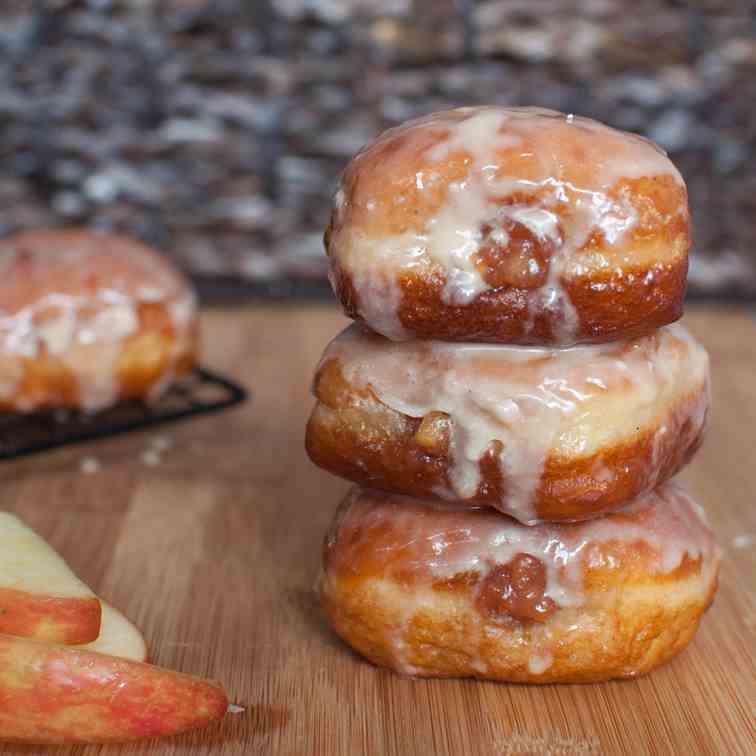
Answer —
432 590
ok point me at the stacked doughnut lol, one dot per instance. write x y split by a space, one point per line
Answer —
512 402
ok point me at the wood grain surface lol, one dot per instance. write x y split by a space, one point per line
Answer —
213 552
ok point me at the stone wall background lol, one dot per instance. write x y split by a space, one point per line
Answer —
215 130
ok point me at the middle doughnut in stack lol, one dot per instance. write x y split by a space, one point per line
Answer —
538 433
541 259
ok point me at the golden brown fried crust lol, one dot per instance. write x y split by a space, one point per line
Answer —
633 631
380 597
608 307
351 433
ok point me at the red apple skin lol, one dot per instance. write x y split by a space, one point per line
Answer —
54 694
49 618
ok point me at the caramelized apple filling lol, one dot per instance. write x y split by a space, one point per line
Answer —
517 589
432 435
512 255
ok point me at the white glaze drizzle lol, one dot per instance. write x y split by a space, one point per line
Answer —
557 210
530 399
48 304
439 542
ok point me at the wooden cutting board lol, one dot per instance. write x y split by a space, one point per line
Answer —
213 552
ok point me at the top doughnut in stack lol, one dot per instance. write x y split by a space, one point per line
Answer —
510 226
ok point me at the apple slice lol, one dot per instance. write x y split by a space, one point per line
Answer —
40 597
58 694
118 637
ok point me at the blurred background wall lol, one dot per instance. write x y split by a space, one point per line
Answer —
215 130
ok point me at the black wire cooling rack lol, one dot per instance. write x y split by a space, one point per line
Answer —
200 393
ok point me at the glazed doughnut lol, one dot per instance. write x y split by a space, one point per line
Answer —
538 433
440 592
510 225
88 319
